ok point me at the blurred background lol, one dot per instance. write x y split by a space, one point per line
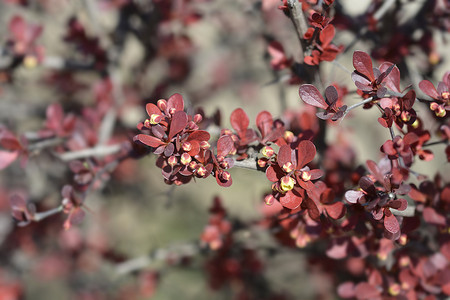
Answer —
215 54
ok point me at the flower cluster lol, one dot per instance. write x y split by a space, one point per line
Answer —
183 149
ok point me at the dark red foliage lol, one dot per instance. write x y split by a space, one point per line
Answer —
371 81
441 95
310 95
323 49
23 40
373 231
379 199
292 178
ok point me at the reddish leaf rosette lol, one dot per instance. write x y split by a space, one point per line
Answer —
290 176
311 95
441 96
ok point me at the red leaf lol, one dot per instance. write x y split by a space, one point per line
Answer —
55 116
353 196
365 291
284 155
363 64
316 174
327 35
388 148
199 135
306 152
178 123
311 95
276 51
313 211
227 183
264 122
429 89
432 217
152 109
392 81
7 158
391 222
17 27
175 101
409 99
148 140
375 170
336 210
337 249
410 138
224 145
9 141
75 217
290 200
399 204
271 174
331 94
346 290
239 120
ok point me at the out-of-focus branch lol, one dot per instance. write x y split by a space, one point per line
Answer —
162 254
45 144
246 164
45 214
299 21
97 151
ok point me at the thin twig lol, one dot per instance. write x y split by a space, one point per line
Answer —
138 263
45 144
383 9
355 106
45 214
446 142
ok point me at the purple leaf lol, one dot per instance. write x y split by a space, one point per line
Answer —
224 145
148 140
363 64
306 152
239 120
310 95
178 123
353 196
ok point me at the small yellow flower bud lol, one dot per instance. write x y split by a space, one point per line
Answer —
172 161
204 145
30 61
162 104
201 171
306 176
440 112
262 162
287 183
155 119
394 289
225 176
185 159
288 136
269 200
187 146
267 151
405 116
288 167
446 95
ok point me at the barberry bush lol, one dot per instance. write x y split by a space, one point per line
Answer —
205 149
